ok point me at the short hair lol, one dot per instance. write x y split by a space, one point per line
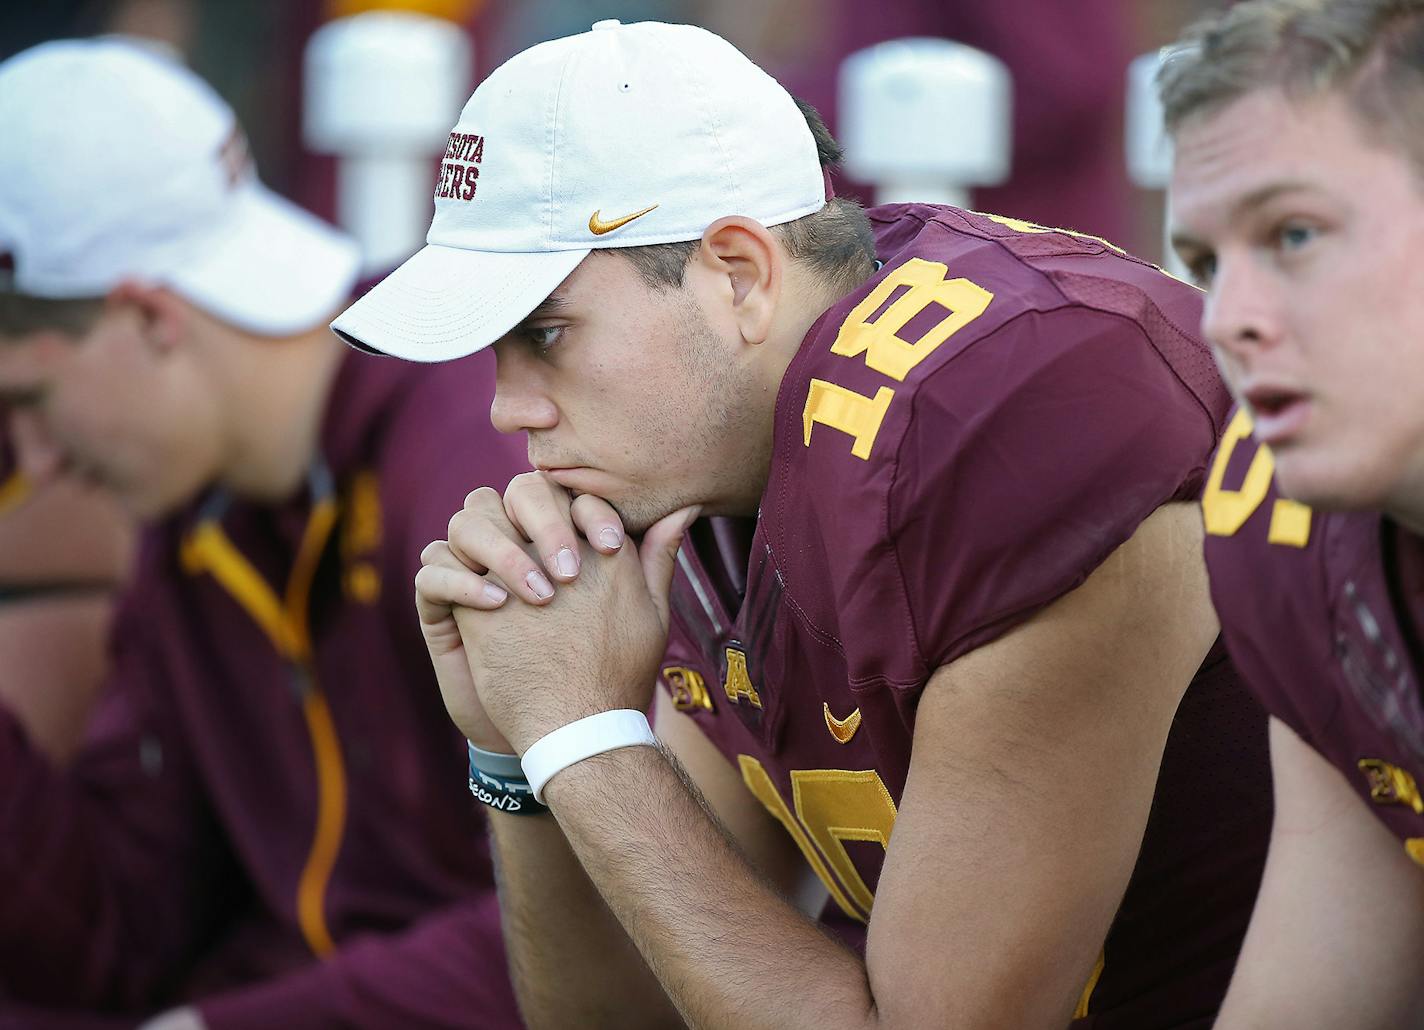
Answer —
22 314
836 241
1369 51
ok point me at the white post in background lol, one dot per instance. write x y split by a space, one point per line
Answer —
382 91
925 120
1149 150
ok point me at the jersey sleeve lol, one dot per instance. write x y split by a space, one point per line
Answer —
1036 455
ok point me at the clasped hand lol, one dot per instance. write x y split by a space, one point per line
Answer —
538 611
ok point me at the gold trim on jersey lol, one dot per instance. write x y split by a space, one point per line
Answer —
842 730
687 688
1085 999
739 682
1391 785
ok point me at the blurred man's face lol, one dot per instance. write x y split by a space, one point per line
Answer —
635 395
114 408
1306 235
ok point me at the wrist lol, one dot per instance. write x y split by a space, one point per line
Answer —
588 785
577 741
497 781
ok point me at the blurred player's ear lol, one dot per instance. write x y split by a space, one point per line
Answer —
745 257
162 315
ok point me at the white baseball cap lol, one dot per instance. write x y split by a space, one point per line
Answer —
117 162
624 136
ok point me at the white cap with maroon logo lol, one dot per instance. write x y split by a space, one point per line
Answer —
625 136
116 163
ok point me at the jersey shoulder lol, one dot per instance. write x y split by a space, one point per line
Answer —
964 438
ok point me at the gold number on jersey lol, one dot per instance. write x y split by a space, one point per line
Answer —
832 806
854 414
1019 225
925 283
877 338
1226 511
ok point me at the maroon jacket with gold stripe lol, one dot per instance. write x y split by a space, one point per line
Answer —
958 443
267 779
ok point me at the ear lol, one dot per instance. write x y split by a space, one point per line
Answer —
163 318
745 257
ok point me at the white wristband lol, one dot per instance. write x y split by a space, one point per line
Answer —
567 745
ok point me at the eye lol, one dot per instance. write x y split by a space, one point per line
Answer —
1201 266
1292 236
542 338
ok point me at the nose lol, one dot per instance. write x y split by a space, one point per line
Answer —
521 397
1242 315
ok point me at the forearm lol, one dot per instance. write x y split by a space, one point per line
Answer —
1337 882
727 949
571 962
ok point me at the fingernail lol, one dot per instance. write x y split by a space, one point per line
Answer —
494 594
539 585
567 563
611 538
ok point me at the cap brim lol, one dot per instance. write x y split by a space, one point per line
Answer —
270 267
446 302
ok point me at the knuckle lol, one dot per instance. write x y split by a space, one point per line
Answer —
522 482
482 497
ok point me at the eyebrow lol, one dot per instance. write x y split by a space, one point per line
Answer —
550 305
1253 200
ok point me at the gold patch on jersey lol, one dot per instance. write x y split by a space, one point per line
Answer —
739 683
1414 846
361 516
363 583
1391 785
688 689
841 729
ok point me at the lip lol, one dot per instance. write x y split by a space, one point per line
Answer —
1279 413
569 476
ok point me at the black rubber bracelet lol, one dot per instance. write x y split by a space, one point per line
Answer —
513 796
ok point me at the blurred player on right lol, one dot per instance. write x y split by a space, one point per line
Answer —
1298 199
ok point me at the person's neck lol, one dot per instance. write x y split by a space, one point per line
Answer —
780 349
278 391
1408 512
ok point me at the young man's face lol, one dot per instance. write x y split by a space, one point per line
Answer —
636 395
1307 236
112 409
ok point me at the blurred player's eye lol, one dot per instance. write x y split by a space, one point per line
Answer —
1201 267
1292 236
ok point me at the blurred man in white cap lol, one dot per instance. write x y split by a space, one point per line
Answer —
266 826
949 582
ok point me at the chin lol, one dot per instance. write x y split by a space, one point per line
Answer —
1330 483
640 514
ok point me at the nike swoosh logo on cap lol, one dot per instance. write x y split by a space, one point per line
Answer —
841 729
599 227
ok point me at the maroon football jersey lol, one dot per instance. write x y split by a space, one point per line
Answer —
1323 612
958 443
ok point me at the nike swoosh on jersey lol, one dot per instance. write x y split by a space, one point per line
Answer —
599 227
841 729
